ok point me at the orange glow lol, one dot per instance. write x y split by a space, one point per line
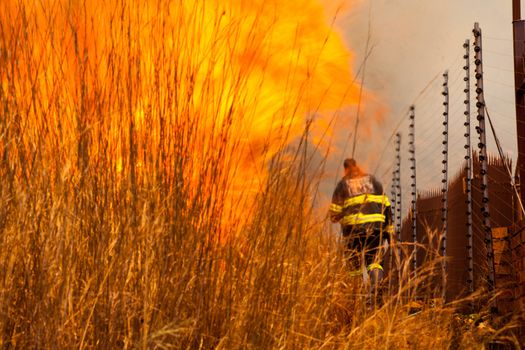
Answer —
132 85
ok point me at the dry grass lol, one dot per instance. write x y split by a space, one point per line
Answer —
143 207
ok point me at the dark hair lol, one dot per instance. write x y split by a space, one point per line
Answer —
349 162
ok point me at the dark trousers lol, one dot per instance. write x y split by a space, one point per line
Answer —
361 240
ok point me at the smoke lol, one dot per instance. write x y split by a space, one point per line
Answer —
415 42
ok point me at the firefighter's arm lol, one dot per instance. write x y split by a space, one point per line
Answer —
388 227
337 205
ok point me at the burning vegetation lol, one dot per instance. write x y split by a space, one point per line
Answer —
147 200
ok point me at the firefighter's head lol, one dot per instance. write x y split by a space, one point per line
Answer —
351 167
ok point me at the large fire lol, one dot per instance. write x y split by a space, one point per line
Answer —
126 85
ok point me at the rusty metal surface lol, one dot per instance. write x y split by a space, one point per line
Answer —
516 10
519 83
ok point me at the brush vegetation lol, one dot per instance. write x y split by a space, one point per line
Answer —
129 218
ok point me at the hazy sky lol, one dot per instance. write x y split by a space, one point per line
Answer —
415 41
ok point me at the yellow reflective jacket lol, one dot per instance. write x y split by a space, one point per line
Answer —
360 202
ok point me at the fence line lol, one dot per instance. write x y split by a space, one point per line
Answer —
457 219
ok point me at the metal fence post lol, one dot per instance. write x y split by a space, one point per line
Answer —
468 169
399 196
444 189
480 104
412 151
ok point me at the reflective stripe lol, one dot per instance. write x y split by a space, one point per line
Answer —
374 266
336 208
356 219
356 273
367 198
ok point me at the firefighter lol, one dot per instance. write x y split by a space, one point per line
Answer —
363 210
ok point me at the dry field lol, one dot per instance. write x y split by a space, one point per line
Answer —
149 196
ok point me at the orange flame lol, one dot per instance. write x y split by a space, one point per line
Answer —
139 81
